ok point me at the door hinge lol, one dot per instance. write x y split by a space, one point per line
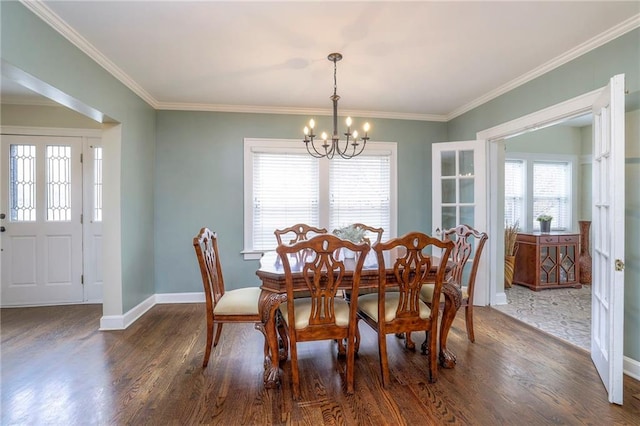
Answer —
81 157
82 279
619 265
81 218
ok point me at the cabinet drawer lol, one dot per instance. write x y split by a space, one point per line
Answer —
568 238
548 239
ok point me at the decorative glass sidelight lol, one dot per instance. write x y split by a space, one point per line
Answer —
22 190
58 183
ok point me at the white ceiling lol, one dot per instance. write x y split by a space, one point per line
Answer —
420 60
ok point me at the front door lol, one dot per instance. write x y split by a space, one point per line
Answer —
41 207
459 193
607 300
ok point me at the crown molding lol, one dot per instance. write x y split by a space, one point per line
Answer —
53 20
256 109
49 17
601 39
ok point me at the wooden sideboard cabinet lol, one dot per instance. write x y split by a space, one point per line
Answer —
547 261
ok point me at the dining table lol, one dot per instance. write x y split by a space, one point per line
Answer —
274 292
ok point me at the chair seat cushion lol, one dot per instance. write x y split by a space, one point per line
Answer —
303 310
368 304
426 293
243 301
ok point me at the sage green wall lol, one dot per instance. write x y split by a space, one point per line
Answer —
584 74
34 47
199 175
44 116
551 140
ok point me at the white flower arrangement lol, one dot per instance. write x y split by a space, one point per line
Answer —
352 233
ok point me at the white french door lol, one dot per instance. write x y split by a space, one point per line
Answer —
41 204
459 194
92 224
607 303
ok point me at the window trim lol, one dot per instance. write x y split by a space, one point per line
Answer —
252 145
529 158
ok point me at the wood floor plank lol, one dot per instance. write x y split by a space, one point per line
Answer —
57 368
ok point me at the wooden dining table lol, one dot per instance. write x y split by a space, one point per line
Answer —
274 293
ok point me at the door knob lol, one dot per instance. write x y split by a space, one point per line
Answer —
2 229
2 215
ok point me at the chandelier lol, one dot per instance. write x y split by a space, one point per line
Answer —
351 146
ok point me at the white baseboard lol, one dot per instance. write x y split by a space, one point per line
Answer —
180 297
631 368
501 299
121 322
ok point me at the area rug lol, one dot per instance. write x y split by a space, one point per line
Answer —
562 312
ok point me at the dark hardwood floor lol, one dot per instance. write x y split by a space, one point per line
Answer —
57 368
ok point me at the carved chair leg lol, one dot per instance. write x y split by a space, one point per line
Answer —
468 313
218 333
384 361
424 348
207 350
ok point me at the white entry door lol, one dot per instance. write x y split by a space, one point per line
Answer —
607 304
41 200
459 188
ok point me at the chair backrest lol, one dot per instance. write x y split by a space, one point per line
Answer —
206 247
411 266
465 238
299 232
323 273
371 231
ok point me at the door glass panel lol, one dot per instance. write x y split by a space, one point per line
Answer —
448 163
467 190
97 184
448 217
448 191
58 183
467 213
466 163
23 183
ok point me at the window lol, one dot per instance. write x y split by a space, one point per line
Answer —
539 184
284 185
514 190
551 193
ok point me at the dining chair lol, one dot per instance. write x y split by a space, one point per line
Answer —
322 315
298 232
465 238
402 311
240 305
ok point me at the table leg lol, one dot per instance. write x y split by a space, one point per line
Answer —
276 344
452 302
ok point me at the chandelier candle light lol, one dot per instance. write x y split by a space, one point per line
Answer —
328 149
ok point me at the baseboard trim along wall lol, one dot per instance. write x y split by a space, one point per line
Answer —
120 322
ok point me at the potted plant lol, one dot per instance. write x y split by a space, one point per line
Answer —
352 233
545 223
510 249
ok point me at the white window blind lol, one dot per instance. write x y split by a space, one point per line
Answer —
552 193
285 192
514 191
360 191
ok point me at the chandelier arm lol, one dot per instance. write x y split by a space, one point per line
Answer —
316 153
